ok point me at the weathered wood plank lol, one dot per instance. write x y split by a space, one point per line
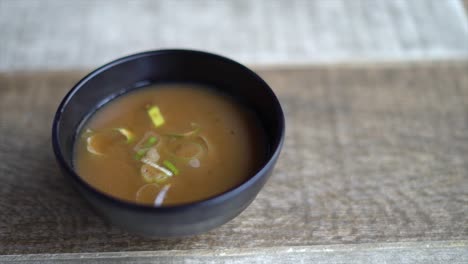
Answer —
373 153
54 34
395 253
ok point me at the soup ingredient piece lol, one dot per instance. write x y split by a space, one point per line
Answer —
204 142
149 139
152 154
90 146
88 132
195 131
171 167
147 192
156 116
194 163
152 175
156 166
140 153
126 133
184 150
100 142
161 195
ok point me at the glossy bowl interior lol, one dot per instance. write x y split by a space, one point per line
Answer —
139 70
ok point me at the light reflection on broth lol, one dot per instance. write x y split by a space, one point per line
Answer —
169 144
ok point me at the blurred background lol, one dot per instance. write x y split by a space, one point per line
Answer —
55 34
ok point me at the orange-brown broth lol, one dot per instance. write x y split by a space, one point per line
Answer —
236 144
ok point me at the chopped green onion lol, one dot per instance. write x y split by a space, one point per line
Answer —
148 140
90 147
140 153
148 188
195 131
156 116
126 133
101 141
161 178
184 150
150 175
171 167
88 134
151 141
156 166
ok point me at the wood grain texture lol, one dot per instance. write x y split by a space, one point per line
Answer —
394 253
55 34
373 153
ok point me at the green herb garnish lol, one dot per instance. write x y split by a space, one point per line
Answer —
171 167
156 116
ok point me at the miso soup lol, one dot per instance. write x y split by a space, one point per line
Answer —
169 144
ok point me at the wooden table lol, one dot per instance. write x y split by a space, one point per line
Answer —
53 34
374 169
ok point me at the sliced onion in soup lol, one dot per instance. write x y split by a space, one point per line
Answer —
99 142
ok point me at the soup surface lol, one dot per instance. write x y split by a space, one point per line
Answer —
169 144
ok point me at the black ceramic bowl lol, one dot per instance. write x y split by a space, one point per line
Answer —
139 70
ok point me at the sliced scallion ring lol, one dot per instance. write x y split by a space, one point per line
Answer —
195 131
184 150
151 175
149 139
158 201
152 154
150 189
140 154
126 133
90 147
157 167
171 167
87 133
99 142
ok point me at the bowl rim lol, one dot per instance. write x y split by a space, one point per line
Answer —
212 200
